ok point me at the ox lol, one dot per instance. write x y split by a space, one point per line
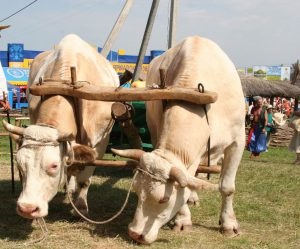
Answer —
62 127
180 131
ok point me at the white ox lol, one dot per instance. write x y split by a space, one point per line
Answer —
180 131
43 148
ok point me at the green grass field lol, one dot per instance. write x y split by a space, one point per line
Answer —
267 205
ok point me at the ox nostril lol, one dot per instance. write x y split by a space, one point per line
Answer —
137 237
27 208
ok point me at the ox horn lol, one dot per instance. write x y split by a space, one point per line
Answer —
196 183
134 154
179 176
13 129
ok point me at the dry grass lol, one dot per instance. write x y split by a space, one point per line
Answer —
267 205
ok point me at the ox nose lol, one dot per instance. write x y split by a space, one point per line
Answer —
137 237
27 210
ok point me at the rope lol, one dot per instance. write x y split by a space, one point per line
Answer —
201 89
111 218
155 177
44 229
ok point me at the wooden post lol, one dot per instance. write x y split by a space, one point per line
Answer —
172 23
145 40
117 27
11 151
73 75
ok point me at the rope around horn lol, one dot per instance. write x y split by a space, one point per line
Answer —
111 218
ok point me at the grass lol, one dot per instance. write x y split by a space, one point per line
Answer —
267 205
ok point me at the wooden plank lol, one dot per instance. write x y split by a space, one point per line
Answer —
106 163
92 92
11 115
213 169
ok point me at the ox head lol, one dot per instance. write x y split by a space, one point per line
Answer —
41 160
162 190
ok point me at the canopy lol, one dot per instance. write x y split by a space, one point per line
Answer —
16 76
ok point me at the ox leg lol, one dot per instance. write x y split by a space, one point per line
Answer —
183 220
83 180
194 198
232 158
71 187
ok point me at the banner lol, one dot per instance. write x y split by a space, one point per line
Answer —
285 73
121 67
16 76
260 71
272 72
3 86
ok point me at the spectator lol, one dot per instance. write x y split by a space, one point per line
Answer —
3 90
270 128
295 141
257 134
286 107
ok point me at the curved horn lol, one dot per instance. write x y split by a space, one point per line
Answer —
179 176
16 138
196 183
134 154
13 129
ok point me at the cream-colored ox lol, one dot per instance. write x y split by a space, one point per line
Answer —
56 120
180 131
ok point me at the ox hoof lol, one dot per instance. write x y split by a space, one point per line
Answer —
230 233
193 202
180 228
193 199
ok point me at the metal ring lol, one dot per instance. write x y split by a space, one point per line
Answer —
200 88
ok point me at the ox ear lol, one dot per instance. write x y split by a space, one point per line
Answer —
84 154
195 183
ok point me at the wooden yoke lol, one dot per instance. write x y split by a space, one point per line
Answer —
131 164
91 92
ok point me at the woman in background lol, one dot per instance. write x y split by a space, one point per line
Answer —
257 140
295 141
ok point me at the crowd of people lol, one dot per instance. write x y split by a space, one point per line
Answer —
259 116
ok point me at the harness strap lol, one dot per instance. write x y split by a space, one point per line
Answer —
201 89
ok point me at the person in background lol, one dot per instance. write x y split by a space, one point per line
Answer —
270 124
3 91
286 107
257 134
295 141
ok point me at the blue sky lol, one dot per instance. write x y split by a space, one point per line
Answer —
256 32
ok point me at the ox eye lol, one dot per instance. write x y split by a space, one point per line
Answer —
164 200
52 169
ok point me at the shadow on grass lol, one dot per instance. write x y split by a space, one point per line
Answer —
104 201
211 228
12 226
